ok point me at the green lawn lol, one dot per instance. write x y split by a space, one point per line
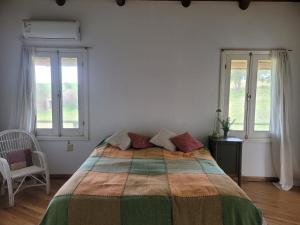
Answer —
70 117
236 108
70 106
262 108
44 118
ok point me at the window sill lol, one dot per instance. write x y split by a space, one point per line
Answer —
253 139
62 138
257 140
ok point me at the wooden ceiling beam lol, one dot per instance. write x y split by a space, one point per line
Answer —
223 0
244 4
60 2
185 3
120 2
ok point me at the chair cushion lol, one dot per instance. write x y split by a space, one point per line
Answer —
26 171
19 159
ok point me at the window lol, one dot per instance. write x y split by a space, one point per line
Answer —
60 85
245 94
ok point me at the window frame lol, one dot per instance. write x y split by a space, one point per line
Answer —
252 58
58 132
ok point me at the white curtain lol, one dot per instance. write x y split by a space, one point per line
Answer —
23 114
281 146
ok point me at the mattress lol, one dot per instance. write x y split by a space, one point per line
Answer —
152 186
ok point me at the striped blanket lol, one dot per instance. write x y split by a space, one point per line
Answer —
150 187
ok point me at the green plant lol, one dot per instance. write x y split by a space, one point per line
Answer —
226 124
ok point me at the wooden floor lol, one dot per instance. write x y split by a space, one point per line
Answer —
279 207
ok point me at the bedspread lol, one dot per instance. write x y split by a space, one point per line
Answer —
150 187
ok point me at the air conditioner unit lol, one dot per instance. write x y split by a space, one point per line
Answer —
51 29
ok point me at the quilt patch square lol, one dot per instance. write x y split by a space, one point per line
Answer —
114 152
94 210
69 187
191 185
138 184
226 186
183 166
146 210
58 208
102 184
112 165
89 163
195 210
202 154
149 153
177 155
210 166
148 166
245 212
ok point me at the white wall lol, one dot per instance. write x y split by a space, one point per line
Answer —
152 64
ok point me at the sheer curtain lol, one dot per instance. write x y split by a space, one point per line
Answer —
23 114
281 146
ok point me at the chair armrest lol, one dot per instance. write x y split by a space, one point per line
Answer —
42 159
4 168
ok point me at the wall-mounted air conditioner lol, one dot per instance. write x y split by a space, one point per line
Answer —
39 29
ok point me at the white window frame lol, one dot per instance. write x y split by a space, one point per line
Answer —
58 132
252 58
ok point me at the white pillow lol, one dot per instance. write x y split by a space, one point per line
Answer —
120 139
162 139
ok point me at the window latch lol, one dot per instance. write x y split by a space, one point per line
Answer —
248 97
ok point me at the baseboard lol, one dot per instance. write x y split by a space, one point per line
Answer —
60 176
259 179
244 178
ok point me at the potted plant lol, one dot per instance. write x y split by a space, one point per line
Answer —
226 126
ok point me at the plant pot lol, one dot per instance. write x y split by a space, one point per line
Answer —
226 133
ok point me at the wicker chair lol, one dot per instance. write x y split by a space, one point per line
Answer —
16 180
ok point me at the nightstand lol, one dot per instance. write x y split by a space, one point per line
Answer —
228 154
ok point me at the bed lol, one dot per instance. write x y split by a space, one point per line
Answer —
150 187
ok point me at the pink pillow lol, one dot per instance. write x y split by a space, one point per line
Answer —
186 143
139 141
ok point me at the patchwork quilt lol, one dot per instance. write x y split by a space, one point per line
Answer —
150 187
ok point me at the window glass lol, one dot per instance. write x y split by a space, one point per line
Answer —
42 70
69 78
263 96
238 76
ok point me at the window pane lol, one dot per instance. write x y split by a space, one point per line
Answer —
263 96
42 70
69 77
238 76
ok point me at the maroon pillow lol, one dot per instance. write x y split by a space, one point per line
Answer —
139 141
186 143
19 159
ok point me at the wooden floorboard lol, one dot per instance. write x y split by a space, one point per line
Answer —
279 207
30 205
